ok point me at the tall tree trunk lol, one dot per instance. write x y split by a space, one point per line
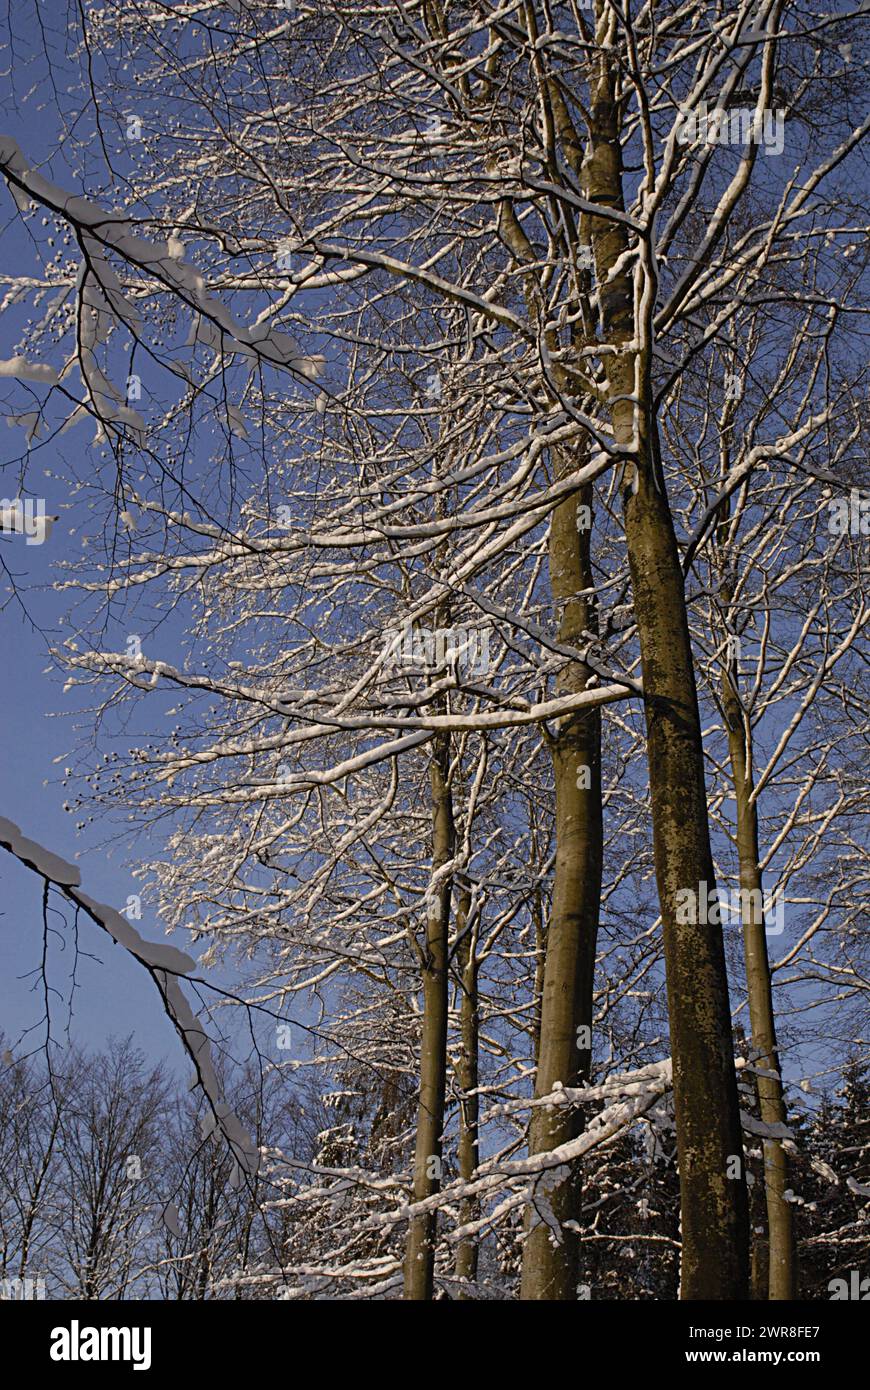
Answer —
551 1250
563 996
466 962
765 1054
420 1248
712 1184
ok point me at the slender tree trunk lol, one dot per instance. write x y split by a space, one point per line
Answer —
563 1053
765 1055
714 1209
551 1249
420 1248
540 960
466 961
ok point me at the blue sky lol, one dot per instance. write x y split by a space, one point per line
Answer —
114 996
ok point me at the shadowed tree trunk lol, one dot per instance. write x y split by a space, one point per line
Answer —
712 1184
765 1054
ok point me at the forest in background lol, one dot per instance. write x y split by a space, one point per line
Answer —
108 1190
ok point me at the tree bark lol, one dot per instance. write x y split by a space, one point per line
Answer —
563 991
540 960
551 1250
467 1076
765 1054
420 1248
713 1201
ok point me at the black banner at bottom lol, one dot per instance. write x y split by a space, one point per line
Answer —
83 1340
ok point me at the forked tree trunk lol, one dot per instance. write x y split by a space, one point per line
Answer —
420 1247
715 1259
550 1250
